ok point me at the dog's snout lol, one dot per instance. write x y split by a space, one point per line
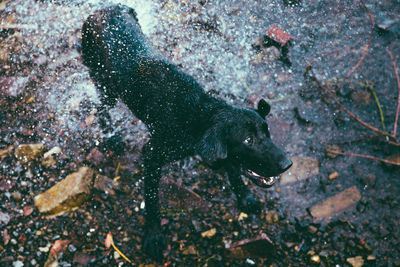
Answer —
285 164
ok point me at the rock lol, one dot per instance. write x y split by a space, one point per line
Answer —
209 233
356 261
333 176
336 203
302 168
49 158
4 218
29 153
260 246
278 35
67 194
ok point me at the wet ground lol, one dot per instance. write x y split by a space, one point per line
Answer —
47 97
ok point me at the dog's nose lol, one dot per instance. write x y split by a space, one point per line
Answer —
285 164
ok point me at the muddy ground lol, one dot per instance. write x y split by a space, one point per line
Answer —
46 96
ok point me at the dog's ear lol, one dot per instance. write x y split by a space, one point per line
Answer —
263 108
213 145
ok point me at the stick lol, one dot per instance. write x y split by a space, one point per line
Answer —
365 156
396 72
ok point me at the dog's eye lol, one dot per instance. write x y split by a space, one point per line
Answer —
248 141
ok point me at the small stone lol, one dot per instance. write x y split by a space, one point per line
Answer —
209 233
28 153
116 255
18 264
315 259
278 35
312 229
242 216
4 218
356 261
27 210
333 176
17 196
272 217
371 258
250 261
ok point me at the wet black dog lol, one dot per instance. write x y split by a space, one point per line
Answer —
183 120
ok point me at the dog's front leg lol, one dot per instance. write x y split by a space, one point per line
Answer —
247 201
154 241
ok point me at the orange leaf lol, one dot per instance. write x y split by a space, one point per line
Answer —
109 240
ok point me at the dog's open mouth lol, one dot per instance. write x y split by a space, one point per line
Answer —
261 180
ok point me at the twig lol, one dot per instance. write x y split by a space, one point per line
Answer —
371 18
365 156
351 114
396 72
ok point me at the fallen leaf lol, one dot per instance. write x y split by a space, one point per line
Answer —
109 240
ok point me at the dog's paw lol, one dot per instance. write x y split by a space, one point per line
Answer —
250 204
154 243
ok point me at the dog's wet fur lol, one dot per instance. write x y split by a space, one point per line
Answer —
182 119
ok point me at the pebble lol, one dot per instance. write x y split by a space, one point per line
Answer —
18 264
333 176
315 259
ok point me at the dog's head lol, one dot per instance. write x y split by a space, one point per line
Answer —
243 138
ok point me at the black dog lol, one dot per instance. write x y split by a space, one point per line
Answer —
183 120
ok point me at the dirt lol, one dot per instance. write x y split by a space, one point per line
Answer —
46 96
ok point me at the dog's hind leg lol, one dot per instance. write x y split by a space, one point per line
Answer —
247 202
